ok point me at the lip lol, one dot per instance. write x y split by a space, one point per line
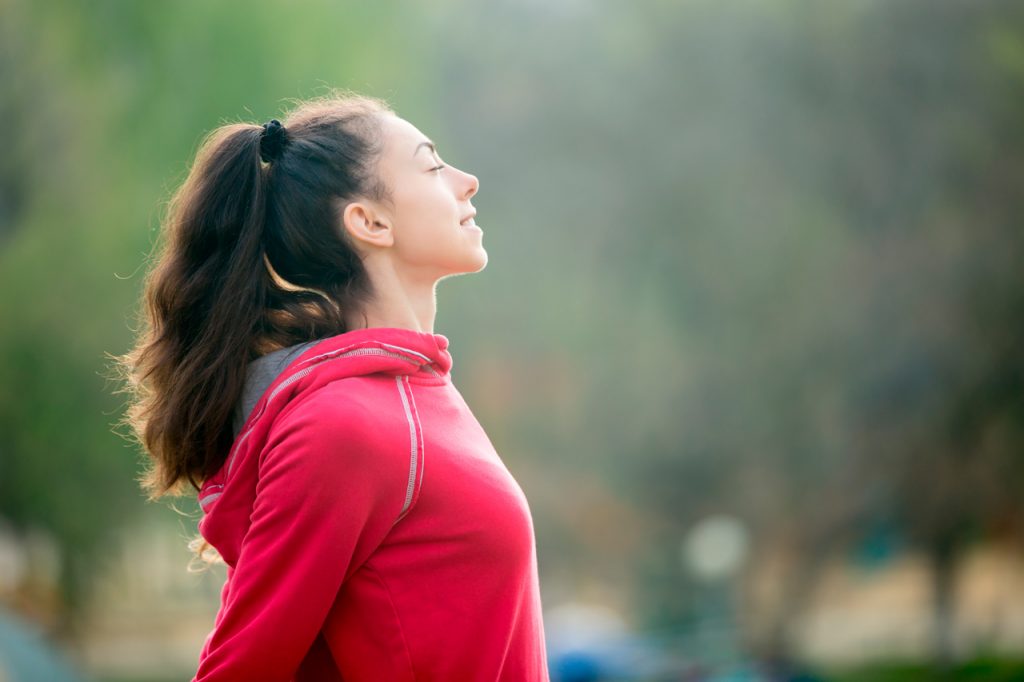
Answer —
467 217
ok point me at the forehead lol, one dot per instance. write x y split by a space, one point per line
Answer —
402 140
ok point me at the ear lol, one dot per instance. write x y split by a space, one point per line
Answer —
367 226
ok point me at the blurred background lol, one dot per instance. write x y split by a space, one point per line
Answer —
751 336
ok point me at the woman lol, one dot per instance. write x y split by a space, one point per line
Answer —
289 371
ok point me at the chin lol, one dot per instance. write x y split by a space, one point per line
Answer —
482 260
478 263
475 261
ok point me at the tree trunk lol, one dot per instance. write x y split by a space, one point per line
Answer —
943 561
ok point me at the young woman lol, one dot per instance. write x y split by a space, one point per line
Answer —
288 370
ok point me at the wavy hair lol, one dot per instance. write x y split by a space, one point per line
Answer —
251 258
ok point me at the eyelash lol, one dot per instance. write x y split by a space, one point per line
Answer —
438 167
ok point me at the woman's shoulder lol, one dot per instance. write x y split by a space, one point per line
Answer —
353 406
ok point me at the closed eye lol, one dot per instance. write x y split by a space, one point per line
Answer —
438 167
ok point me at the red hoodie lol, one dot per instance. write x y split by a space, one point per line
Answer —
370 529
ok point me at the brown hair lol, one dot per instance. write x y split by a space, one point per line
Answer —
252 259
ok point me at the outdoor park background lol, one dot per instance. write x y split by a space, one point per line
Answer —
750 337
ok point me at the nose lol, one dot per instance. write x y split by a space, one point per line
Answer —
472 185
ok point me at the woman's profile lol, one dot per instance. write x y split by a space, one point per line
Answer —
288 371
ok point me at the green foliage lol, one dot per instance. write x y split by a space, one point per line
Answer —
111 100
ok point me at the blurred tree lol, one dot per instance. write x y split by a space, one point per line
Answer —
782 247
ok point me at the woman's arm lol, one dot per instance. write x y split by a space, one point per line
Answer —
325 499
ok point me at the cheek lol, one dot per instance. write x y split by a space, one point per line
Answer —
430 215
423 201
426 220
427 235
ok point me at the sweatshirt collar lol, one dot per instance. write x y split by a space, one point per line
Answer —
431 348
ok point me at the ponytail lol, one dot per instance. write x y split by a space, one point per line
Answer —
251 260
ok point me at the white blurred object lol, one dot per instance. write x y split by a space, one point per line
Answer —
13 560
716 547
576 625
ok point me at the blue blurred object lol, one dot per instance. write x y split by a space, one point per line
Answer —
627 657
576 666
26 656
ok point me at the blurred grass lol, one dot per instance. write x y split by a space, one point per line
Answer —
987 669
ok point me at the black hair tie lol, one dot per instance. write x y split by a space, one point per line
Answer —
272 140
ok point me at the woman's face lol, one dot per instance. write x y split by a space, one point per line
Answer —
431 199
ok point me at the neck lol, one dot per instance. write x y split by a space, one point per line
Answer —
398 301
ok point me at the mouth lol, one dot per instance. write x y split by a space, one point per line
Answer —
468 220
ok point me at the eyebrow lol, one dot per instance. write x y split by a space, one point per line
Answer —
428 144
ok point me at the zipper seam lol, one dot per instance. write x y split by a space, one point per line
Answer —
414 446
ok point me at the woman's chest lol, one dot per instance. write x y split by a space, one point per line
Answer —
466 498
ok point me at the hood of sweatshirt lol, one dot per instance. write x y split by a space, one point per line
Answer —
286 376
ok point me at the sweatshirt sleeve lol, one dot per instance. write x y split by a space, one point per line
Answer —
326 497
